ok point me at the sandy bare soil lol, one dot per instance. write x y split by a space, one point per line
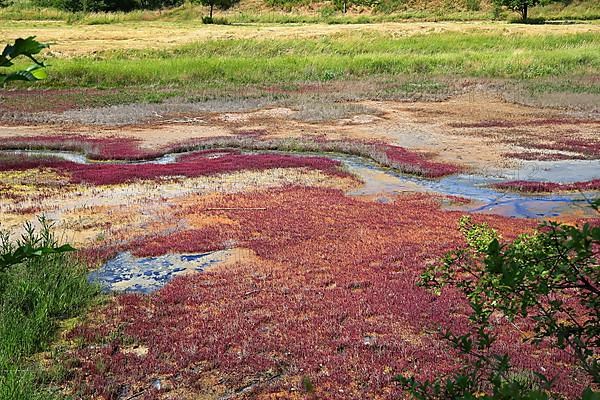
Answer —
73 40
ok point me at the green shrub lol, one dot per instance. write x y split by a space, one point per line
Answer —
550 277
107 5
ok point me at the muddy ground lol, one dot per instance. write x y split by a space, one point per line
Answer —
479 131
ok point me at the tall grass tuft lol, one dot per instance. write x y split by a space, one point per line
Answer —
34 296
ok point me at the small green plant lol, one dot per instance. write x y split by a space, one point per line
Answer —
307 385
550 277
28 48
327 12
36 246
496 11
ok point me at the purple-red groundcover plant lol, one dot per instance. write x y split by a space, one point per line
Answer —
191 165
409 161
326 307
100 148
123 148
115 173
541 156
533 186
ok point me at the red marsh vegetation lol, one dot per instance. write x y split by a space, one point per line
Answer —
540 187
329 299
120 148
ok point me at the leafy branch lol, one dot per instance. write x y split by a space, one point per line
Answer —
28 48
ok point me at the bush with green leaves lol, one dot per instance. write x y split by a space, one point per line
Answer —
159 4
473 5
343 5
550 277
27 48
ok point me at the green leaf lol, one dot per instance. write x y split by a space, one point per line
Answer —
589 394
21 76
23 47
37 72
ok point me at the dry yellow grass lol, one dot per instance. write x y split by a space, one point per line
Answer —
78 40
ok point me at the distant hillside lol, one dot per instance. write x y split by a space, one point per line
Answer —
283 11
576 9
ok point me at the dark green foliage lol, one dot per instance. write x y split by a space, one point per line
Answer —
159 4
286 4
28 48
473 5
343 5
522 6
107 5
220 4
551 277
40 284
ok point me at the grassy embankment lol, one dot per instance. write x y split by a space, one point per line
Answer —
349 56
35 296
393 64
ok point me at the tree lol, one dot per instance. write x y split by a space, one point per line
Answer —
522 6
344 4
28 48
220 4
159 4
106 5
551 278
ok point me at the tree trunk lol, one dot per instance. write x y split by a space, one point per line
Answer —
524 12
344 7
211 9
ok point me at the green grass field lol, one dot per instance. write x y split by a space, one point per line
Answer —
214 63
